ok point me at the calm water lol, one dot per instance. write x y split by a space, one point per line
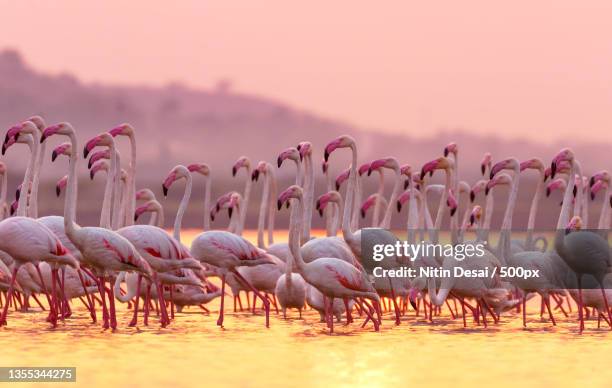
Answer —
194 351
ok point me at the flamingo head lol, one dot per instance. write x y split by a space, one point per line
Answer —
416 178
103 139
290 153
234 203
402 199
101 154
200 168
566 155
62 149
600 176
555 184
100 165
363 169
324 166
124 129
506 164
292 192
597 187
223 201
343 141
12 135
242 161
150 206
390 163
533 164
367 204
175 174
451 148
262 168
324 199
574 224
486 162
61 185
475 215
498 180
62 128
477 188
9 142
14 206
145 195
441 163
39 122
340 179
451 202
305 149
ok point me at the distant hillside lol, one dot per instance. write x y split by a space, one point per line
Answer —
177 124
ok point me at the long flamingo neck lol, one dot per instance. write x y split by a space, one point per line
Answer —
442 205
604 218
22 209
33 202
308 197
70 202
271 211
178 221
506 228
413 215
564 215
295 228
579 192
378 202
3 191
350 193
131 183
118 206
207 192
105 214
245 200
386 222
263 209
533 210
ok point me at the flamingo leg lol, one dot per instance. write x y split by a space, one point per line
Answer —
101 288
331 315
580 312
8 297
349 318
134 320
220 319
524 310
172 301
38 302
265 301
111 302
90 306
165 319
44 286
605 299
463 312
395 306
147 305
550 314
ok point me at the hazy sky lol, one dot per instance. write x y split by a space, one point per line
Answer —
540 69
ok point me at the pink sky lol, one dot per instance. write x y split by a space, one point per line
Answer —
539 69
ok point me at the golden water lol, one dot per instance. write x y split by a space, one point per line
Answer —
193 351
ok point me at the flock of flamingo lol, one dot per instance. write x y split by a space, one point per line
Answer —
122 261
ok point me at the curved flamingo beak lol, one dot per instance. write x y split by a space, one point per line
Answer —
330 147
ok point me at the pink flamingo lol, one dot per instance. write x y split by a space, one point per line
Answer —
333 277
103 250
585 252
